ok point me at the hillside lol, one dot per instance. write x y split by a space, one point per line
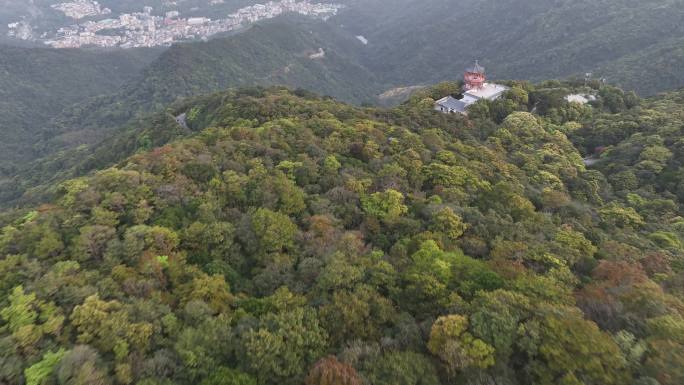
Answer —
514 39
636 44
46 125
37 84
642 151
650 70
274 52
288 238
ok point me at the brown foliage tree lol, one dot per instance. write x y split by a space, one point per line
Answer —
329 371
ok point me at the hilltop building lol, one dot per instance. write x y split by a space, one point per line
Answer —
474 77
475 87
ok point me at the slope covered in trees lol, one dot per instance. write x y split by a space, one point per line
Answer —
289 238
45 128
43 86
37 84
409 43
277 52
635 44
642 151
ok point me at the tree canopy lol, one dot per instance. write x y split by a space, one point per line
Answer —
290 238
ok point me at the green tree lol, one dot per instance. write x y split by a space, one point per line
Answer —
426 280
331 165
573 246
92 242
28 319
401 368
449 223
50 245
664 354
227 376
22 310
284 346
617 215
274 231
457 348
496 317
387 206
202 349
358 314
106 325
563 348
38 373
655 158
208 242
212 290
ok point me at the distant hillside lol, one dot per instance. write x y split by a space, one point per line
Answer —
285 51
37 84
278 51
649 70
275 52
636 44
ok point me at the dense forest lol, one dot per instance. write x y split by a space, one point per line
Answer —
49 115
287 238
37 84
48 109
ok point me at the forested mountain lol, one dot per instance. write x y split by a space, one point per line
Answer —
281 51
294 51
636 44
642 151
212 215
285 238
37 84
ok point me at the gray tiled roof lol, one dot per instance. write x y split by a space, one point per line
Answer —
452 104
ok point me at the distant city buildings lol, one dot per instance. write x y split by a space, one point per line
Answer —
78 9
21 30
144 29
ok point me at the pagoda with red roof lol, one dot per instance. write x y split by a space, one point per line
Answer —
474 77
475 88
